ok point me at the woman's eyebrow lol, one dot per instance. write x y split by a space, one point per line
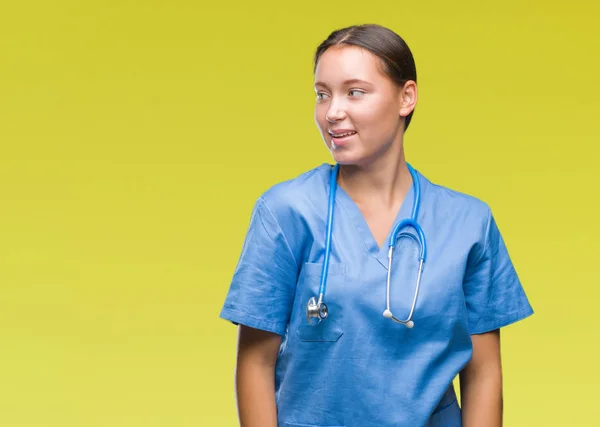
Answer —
346 82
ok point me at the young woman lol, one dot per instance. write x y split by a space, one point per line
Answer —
363 289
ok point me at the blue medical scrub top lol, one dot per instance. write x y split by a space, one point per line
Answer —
357 368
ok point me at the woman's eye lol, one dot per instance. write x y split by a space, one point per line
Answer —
320 96
356 91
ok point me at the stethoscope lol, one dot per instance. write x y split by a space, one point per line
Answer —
317 310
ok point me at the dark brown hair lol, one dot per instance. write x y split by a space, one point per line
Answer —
396 58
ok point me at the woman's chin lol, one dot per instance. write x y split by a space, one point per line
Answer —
346 157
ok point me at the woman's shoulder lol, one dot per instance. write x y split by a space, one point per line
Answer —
452 202
298 193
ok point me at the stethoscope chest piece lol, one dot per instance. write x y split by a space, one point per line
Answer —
315 312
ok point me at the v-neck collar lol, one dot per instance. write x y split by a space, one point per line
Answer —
355 214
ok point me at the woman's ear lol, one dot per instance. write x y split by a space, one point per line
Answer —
408 98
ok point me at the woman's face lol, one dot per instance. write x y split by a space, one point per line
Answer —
359 109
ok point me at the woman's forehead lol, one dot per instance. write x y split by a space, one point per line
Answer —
343 63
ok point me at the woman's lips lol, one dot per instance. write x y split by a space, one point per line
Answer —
338 141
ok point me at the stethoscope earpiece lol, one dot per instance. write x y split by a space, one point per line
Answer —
388 315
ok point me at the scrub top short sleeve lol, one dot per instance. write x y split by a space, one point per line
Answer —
262 289
493 292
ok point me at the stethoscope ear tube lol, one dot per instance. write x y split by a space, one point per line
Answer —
317 310
330 209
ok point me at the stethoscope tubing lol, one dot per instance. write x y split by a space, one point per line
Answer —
318 308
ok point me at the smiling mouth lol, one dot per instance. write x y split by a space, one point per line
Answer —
341 139
342 135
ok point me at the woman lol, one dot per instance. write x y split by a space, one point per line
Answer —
364 353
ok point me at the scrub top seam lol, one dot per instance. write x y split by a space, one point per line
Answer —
487 235
503 321
438 410
241 317
287 244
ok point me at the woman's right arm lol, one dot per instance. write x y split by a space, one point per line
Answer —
255 377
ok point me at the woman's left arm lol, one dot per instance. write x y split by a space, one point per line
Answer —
481 383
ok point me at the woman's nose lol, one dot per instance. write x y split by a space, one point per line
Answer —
335 113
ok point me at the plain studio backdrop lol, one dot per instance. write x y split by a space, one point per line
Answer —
135 137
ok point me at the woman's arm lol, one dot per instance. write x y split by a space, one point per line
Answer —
481 383
255 377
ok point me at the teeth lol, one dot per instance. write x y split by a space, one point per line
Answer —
343 134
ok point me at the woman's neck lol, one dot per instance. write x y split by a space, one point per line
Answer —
383 183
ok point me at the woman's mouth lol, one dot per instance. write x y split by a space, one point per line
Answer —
341 138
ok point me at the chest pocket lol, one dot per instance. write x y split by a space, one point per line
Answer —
331 328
